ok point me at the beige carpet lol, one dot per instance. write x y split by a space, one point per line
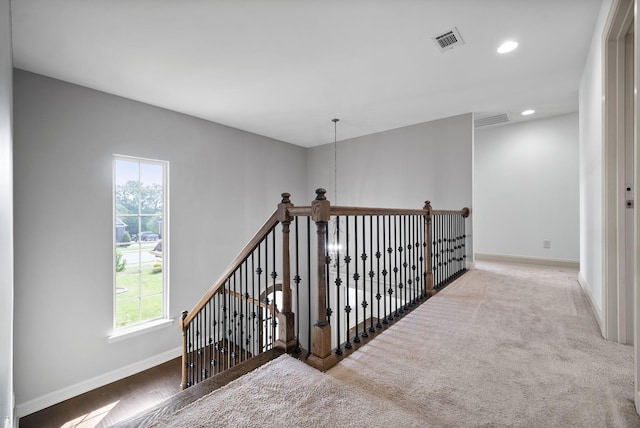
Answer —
505 345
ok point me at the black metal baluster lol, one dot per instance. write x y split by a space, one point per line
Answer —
236 343
309 286
200 346
197 349
274 276
405 263
416 258
412 258
385 272
265 320
205 365
434 250
356 277
401 255
194 361
378 255
452 250
364 280
446 248
347 307
395 262
296 280
422 265
245 312
227 325
371 275
214 335
190 353
208 341
327 260
257 314
464 242
439 255
338 282
253 302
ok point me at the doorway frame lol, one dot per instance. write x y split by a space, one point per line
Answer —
623 14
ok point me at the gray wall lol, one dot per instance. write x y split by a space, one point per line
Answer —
526 189
400 168
591 169
224 183
6 218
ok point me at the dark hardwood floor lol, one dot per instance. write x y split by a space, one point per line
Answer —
139 400
112 403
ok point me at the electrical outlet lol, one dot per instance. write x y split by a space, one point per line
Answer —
546 244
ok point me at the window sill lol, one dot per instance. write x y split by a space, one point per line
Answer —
126 333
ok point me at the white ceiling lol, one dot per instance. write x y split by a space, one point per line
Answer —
285 68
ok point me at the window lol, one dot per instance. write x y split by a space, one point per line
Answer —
140 196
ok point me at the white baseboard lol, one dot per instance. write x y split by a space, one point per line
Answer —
31 406
596 310
527 260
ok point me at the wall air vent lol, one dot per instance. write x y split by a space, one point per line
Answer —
488 119
448 40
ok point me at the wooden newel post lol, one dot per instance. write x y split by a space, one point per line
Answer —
286 319
465 214
183 385
429 290
321 356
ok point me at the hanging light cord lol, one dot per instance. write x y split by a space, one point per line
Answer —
335 160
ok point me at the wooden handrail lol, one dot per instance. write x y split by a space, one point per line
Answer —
463 212
346 210
272 307
246 252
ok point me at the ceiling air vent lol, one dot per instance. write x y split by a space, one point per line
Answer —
488 119
448 40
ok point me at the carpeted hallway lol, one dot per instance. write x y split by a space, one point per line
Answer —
505 345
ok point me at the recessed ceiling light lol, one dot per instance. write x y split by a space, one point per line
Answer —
507 46
528 112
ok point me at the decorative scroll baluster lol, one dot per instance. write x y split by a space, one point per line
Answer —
327 262
356 277
296 280
391 258
378 255
405 251
395 264
338 282
371 275
385 272
347 307
274 276
227 325
253 304
309 293
411 261
364 303
265 311
245 312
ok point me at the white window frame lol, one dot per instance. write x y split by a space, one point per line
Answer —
119 333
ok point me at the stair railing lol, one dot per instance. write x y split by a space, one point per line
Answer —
371 266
